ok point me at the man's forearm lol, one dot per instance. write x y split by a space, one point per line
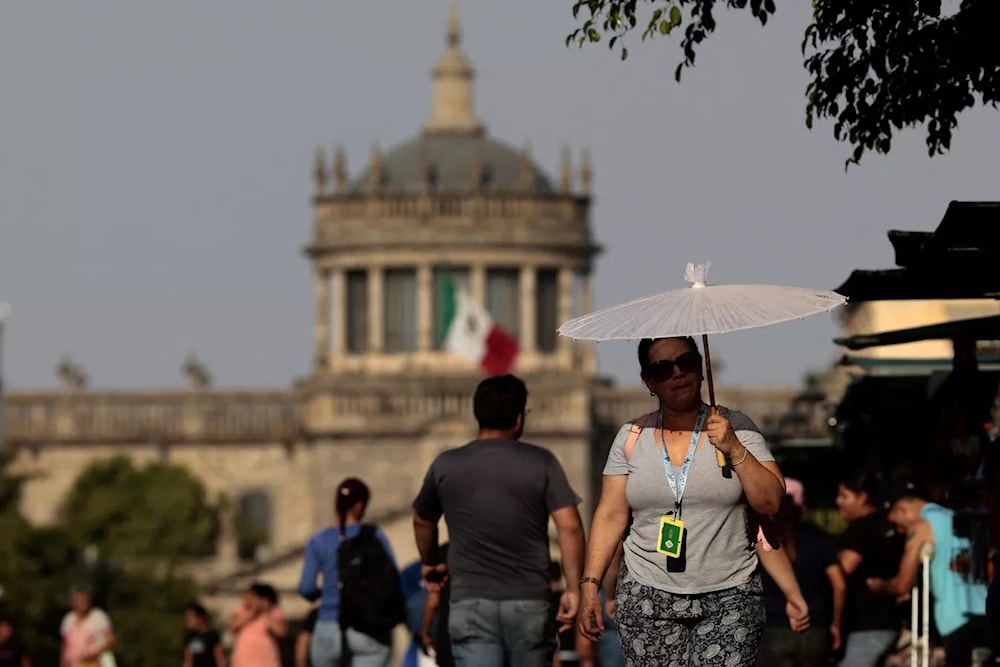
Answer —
426 534
571 547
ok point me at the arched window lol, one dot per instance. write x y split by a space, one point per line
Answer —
503 298
254 517
400 310
357 311
546 309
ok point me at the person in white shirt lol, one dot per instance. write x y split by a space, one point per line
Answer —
86 632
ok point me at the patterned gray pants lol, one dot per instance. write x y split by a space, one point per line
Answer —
660 629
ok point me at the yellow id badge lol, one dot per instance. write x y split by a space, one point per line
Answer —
671 537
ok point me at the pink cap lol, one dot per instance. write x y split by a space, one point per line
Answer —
794 488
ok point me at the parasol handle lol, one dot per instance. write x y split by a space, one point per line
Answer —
720 458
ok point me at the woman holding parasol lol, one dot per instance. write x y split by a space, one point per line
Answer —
688 590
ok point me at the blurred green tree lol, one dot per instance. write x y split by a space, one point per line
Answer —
39 565
159 512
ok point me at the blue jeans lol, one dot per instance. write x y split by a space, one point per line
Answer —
326 647
609 647
867 648
494 633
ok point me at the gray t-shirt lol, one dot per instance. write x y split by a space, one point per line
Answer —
719 552
496 497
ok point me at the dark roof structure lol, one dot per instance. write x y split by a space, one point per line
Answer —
959 260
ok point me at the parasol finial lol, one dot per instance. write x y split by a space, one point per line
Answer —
697 274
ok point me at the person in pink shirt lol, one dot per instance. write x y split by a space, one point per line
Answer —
259 625
86 632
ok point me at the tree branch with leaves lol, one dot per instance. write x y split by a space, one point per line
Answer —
875 67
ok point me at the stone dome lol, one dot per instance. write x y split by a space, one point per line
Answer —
453 163
452 153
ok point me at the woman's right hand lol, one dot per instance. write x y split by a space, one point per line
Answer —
590 619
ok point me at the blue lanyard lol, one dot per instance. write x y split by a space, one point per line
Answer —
677 485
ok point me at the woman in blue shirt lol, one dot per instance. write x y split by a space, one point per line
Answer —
321 558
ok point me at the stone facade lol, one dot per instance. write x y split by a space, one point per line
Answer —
383 399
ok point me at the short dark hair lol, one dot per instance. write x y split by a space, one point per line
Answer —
197 610
499 401
647 343
265 592
867 482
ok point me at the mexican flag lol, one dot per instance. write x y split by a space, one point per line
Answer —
471 333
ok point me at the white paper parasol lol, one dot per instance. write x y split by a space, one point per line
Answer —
700 310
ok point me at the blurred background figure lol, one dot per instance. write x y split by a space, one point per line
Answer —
435 640
361 599
869 547
304 638
259 625
814 559
12 654
202 646
86 632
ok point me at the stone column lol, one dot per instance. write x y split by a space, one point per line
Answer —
226 548
375 325
477 283
339 288
321 359
565 346
586 294
586 348
529 298
425 308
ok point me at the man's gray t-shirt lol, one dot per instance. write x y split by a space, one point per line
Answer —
496 497
719 553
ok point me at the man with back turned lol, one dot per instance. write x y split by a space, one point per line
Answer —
496 495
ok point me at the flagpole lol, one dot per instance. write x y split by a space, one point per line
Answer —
4 311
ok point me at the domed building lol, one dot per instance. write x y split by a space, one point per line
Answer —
453 200
385 397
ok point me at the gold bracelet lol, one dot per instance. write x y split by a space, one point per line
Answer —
746 453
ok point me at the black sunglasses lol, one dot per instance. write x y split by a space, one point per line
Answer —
689 362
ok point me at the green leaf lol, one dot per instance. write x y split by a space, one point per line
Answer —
675 15
624 53
665 27
677 73
593 35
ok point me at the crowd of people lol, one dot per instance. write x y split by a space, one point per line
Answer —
697 554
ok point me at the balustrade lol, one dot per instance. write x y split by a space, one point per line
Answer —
227 416
445 205
104 417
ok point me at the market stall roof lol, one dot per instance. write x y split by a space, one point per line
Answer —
958 260
979 328
900 367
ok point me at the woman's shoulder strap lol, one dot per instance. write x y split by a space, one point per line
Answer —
634 430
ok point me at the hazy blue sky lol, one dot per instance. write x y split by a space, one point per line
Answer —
155 159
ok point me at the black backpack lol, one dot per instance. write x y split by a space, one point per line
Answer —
371 600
